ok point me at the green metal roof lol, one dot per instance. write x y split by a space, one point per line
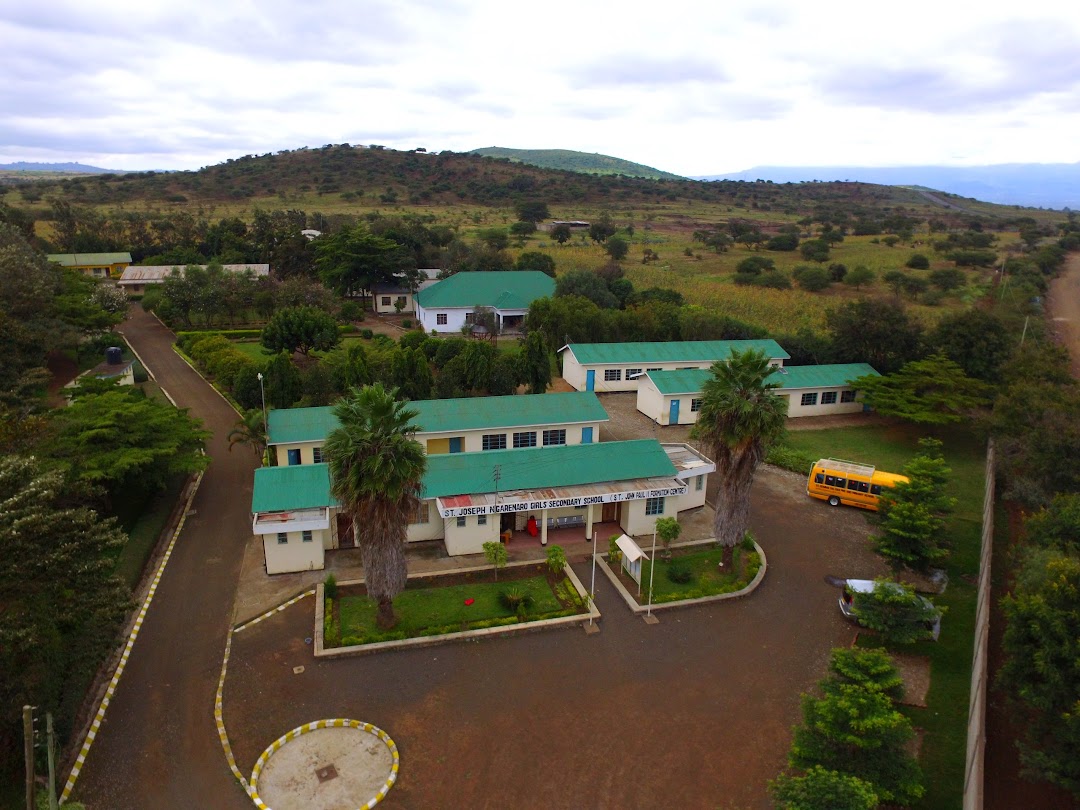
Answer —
513 289
836 375
442 415
302 486
89 259
307 486
539 467
684 351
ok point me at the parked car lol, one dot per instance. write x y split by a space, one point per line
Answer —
849 601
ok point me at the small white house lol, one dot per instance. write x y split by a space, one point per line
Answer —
387 296
448 305
621 366
674 397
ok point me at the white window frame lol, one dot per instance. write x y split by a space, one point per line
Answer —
654 506
423 514
612 374
440 319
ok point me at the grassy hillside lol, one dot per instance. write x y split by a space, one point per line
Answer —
571 161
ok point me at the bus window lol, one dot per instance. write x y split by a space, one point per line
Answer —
841 482
819 478
864 487
875 489
830 481
853 485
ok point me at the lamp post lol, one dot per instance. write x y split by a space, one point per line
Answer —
266 427
592 585
652 570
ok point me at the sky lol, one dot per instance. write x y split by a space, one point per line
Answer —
693 88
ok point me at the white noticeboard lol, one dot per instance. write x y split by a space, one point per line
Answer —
632 555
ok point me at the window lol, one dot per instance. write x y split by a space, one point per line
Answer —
440 319
875 489
282 538
828 397
294 457
316 453
809 399
494 441
654 506
695 405
461 521
554 437
858 486
422 513
612 374
481 520
305 536
847 396
632 372
386 300
469 317
819 478
699 483
527 439
654 369
841 482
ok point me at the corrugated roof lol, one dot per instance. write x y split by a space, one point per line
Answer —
691 381
513 289
159 272
539 467
441 415
302 486
679 351
307 486
88 259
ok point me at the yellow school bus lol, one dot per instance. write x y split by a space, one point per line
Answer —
848 482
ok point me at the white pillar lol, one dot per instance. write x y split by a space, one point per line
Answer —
543 527
588 521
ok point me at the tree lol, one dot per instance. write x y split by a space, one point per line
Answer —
601 229
668 530
300 329
535 260
586 284
948 279
124 441
495 554
934 391
616 247
251 431
536 363
532 211
895 611
860 275
352 261
561 233
282 381
1057 525
874 331
376 469
755 265
1042 668
739 419
556 560
813 279
918 262
821 789
815 250
978 341
523 229
867 668
62 603
783 242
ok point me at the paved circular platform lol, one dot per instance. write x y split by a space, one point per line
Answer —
326 765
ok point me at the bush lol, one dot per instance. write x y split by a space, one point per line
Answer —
918 262
751 565
755 265
330 587
785 241
204 347
814 279
613 552
516 598
351 311
789 459
140 373
366 334
226 364
747 543
407 324
679 573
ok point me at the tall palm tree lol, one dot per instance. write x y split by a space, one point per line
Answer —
739 419
375 472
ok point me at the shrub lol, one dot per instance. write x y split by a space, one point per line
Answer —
789 459
516 598
613 552
226 363
755 265
814 279
407 324
785 241
751 565
202 348
330 587
747 543
140 373
366 334
918 262
679 572
351 311
556 559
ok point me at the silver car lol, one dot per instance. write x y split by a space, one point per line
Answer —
853 587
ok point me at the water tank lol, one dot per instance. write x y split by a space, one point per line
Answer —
114 355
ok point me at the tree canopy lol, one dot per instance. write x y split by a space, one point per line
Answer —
934 391
300 329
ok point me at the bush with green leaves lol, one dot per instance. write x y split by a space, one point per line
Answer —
918 262
822 789
517 598
896 612
813 279
556 559
496 555
330 589
869 668
755 265
680 573
614 552
860 276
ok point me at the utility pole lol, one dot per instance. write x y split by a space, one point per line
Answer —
28 753
51 742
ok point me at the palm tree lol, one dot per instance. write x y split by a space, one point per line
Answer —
250 430
739 419
375 472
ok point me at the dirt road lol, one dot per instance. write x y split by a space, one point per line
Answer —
1063 308
158 746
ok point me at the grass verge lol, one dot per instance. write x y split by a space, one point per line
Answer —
945 717
706 577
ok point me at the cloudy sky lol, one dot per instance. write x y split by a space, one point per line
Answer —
695 88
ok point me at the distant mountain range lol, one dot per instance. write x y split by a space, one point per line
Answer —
1037 185
71 168
571 161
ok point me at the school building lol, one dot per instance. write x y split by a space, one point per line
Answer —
448 306
95 265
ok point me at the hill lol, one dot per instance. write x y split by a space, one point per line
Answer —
571 161
64 168
1039 185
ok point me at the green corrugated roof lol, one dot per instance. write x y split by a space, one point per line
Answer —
439 415
539 467
302 486
691 381
306 486
514 289
683 351
85 259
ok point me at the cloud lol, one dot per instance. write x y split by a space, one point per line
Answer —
633 69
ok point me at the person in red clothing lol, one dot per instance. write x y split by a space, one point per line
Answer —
530 527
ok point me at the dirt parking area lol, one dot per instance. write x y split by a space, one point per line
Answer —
693 712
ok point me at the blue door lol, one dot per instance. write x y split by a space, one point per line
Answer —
294 458
673 414
590 380
586 435
455 445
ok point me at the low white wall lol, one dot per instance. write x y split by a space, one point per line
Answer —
295 555
470 538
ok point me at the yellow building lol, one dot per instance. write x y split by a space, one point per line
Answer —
95 265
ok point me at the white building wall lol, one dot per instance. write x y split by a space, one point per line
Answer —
307 452
650 401
634 521
295 555
577 374
693 498
455 319
796 408
470 538
657 406
389 308
473 440
572 371
432 530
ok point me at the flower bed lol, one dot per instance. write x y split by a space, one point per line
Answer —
703 574
432 606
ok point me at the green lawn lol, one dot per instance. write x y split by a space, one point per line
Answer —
945 717
707 578
427 611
